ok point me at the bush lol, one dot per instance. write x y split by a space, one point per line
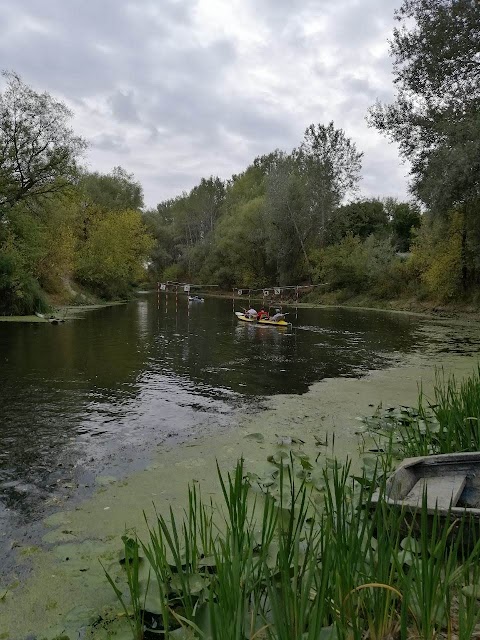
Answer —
20 293
437 256
343 265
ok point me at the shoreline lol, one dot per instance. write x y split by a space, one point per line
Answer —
63 313
430 311
66 588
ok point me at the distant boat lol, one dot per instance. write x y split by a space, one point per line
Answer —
450 484
195 299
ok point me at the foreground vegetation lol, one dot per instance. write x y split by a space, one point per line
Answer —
305 552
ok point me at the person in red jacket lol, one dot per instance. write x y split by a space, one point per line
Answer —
262 314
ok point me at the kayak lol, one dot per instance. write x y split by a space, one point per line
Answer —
275 323
242 316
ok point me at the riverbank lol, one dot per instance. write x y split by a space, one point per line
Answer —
66 588
63 313
425 308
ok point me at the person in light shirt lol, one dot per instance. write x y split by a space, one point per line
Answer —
278 316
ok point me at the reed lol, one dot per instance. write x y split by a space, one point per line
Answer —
450 422
282 565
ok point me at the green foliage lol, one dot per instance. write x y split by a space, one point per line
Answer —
115 191
448 423
305 552
114 254
237 252
39 151
437 256
435 117
404 218
329 150
343 266
20 293
361 218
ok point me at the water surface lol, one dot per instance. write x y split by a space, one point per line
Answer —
96 395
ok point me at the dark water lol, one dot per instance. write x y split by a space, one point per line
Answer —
96 395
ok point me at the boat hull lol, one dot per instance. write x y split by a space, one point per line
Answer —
241 316
274 323
277 323
447 484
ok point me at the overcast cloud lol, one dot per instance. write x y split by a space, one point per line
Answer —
177 90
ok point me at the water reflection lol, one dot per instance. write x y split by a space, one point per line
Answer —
98 393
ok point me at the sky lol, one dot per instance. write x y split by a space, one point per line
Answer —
177 90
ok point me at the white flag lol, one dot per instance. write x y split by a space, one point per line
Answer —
186 288
266 292
240 291
277 292
163 286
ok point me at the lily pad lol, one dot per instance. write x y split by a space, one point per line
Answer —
258 437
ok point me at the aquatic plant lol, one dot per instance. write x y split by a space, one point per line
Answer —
448 423
275 561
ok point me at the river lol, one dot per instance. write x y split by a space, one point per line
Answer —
98 398
75 397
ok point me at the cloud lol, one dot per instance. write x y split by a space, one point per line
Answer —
181 89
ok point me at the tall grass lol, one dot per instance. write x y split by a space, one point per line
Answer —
260 567
274 562
450 422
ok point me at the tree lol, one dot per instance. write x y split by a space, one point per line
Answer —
38 151
329 149
115 191
435 117
361 218
114 256
303 191
404 218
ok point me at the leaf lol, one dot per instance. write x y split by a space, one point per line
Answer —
411 544
194 583
208 561
258 437
406 557
471 591
182 633
151 599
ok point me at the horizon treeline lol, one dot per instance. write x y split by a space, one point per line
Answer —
289 218
292 217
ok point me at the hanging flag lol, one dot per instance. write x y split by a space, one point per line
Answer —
240 291
163 286
277 292
186 288
266 293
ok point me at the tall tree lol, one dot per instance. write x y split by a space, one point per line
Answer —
38 151
303 191
435 117
114 191
404 218
361 218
